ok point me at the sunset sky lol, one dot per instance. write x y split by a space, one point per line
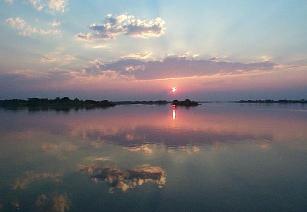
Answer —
141 49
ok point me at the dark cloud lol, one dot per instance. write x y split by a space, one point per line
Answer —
173 67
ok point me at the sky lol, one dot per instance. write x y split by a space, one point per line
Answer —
141 49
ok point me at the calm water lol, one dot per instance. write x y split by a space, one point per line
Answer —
215 157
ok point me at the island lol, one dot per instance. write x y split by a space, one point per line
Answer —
185 103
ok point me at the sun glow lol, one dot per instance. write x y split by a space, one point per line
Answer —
174 89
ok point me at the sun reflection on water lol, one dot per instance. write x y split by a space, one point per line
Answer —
174 112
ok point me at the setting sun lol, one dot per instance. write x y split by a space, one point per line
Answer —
153 105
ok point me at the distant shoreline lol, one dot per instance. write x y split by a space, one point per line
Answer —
270 101
66 104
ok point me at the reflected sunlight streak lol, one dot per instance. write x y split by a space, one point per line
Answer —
174 113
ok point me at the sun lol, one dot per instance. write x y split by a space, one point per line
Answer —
174 89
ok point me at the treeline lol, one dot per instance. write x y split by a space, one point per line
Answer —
269 101
64 103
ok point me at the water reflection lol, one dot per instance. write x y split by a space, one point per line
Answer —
151 124
174 112
126 179
32 177
185 149
228 154
146 149
55 203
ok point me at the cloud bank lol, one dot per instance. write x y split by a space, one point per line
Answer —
114 26
173 67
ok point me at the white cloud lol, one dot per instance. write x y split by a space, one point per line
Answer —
57 5
114 26
139 55
99 46
266 58
49 5
55 23
97 63
57 57
37 4
95 45
25 29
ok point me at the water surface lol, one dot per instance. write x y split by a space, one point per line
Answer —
215 157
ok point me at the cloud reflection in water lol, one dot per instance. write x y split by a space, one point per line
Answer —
126 179
32 177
